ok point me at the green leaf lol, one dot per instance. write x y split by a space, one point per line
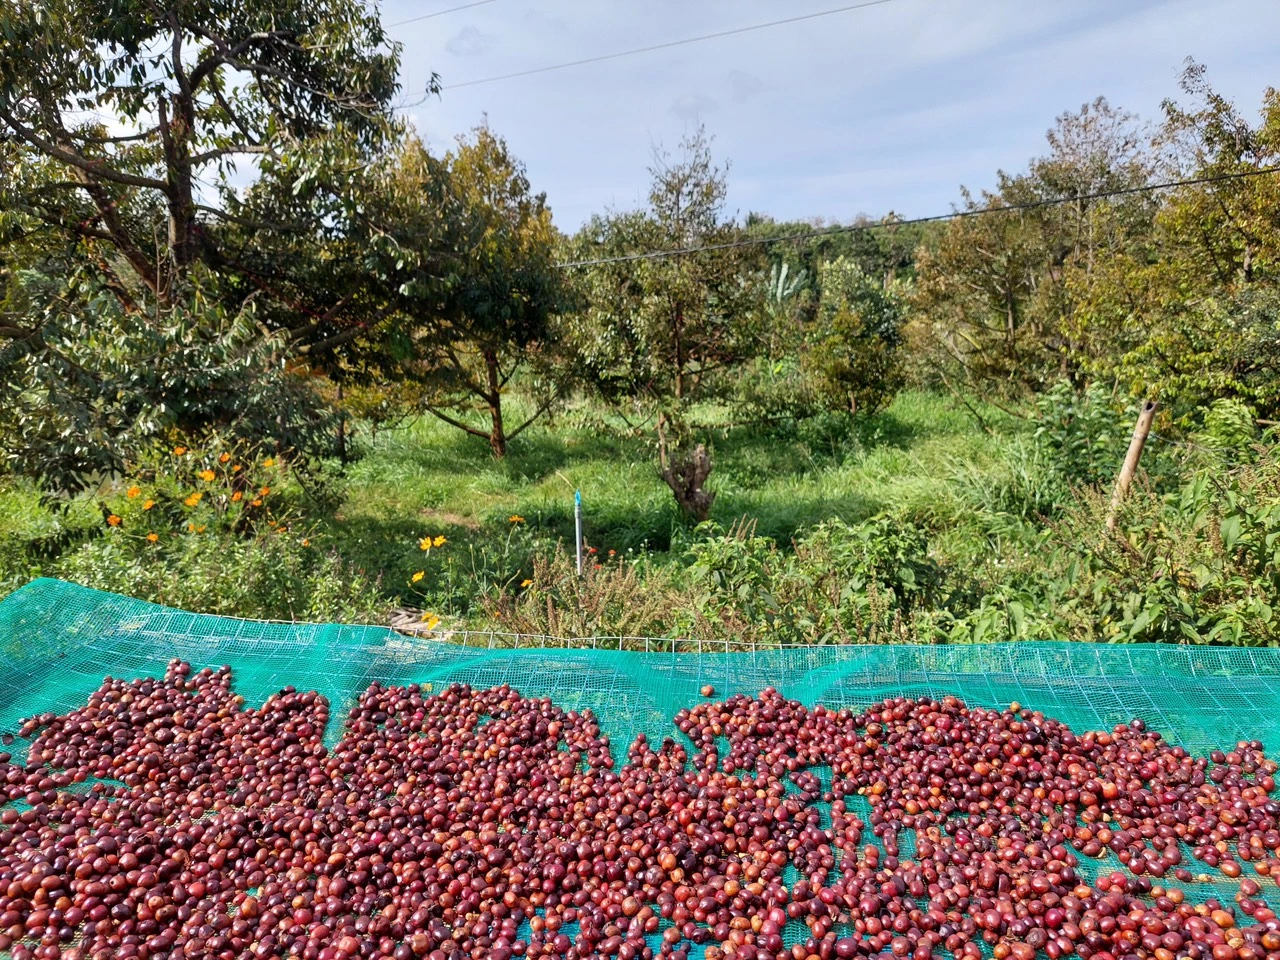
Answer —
1230 529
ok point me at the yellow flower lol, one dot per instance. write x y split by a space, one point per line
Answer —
207 476
179 451
516 518
192 500
133 492
255 503
237 497
431 620
418 576
224 458
264 491
113 521
440 541
526 583
269 462
424 543
153 537
148 505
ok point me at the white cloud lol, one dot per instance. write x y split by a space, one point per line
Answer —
743 86
469 42
693 106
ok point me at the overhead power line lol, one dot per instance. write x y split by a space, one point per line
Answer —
439 13
659 46
953 215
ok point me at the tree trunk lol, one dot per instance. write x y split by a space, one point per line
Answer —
686 473
497 435
677 336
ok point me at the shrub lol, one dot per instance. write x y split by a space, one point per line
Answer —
1199 564
615 598
209 530
1085 433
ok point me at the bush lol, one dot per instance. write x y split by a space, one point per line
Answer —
1200 564
93 391
841 582
611 599
852 352
1084 433
209 531
268 576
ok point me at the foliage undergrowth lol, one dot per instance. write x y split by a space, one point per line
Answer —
912 526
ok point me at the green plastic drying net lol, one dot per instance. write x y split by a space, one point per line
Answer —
58 641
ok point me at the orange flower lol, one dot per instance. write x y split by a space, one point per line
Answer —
113 521
179 451
191 528
224 458
200 529
153 537
237 468
526 583
148 505
269 462
255 503
306 542
237 497
207 476
133 492
264 491
192 500
516 518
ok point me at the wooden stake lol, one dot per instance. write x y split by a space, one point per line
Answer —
1139 440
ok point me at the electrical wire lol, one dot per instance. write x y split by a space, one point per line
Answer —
659 46
934 218
438 13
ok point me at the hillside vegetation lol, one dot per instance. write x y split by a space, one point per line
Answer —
358 374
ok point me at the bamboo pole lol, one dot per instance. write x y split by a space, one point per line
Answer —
1141 430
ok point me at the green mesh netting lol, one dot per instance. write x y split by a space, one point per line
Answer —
58 640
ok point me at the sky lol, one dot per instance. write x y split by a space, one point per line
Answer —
887 108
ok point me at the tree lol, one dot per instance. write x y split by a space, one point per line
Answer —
851 354
1194 316
993 298
504 286
666 331
121 128
138 105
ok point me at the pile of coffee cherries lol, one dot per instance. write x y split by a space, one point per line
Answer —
165 818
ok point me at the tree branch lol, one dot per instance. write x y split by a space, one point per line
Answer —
457 423
95 168
539 412
239 148
227 56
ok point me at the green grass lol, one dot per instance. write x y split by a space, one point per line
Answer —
427 477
